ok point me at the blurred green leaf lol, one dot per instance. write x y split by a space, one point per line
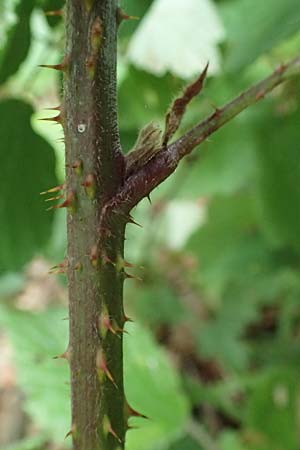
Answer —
223 164
18 41
36 339
28 167
136 8
146 365
185 443
254 27
34 443
52 5
273 410
278 185
157 304
230 440
151 102
218 242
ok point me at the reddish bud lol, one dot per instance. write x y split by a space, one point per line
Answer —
94 255
77 166
90 185
78 267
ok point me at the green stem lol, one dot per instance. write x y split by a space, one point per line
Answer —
95 240
140 184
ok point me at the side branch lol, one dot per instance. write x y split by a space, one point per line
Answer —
154 172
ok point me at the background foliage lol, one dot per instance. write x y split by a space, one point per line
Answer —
213 357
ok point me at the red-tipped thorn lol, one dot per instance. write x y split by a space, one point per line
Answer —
127 319
106 323
65 355
54 108
56 119
108 429
131 277
54 189
122 15
68 203
102 367
131 220
127 264
62 265
133 413
71 432
58 12
62 66
58 197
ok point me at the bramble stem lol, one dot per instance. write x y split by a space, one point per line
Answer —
143 181
94 174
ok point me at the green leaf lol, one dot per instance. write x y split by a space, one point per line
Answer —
152 101
273 410
150 376
52 5
28 167
278 184
185 443
17 42
135 8
222 165
230 440
32 443
36 339
217 244
254 27
157 304
228 242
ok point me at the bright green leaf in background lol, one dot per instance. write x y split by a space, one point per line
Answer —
28 168
255 27
17 43
149 378
278 394
278 185
43 380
